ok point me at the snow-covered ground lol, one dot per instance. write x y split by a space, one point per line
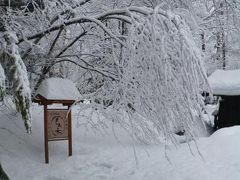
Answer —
98 157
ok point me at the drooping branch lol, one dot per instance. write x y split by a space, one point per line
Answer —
2 82
18 73
120 18
71 22
164 74
87 68
119 14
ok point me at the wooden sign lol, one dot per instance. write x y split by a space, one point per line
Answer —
57 124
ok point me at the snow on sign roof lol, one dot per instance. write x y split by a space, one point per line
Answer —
225 82
58 89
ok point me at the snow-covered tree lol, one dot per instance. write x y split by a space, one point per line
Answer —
219 29
163 73
142 61
16 71
159 81
18 76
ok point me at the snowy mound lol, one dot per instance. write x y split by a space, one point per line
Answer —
225 82
224 132
58 89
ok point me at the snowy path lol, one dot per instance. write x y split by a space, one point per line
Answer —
98 157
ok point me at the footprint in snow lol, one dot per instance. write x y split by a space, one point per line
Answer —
105 165
55 178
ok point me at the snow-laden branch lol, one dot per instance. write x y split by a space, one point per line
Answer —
100 71
75 21
161 77
65 11
119 17
120 14
19 77
2 83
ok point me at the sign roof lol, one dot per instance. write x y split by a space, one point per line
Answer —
58 89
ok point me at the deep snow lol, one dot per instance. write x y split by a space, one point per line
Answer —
98 157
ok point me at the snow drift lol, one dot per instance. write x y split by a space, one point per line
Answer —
98 157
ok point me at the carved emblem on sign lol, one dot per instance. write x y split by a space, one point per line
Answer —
57 124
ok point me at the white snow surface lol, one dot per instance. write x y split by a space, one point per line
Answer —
58 89
225 82
97 157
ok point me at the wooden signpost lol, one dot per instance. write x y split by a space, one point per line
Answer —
57 126
57 122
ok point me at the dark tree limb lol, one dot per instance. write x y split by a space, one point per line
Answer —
26 53
62 57
55 41
87 68
71 44
3 175
71 22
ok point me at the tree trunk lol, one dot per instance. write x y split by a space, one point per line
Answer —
203 42
3 175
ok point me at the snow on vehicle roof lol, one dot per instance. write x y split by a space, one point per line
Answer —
58 89
225 82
